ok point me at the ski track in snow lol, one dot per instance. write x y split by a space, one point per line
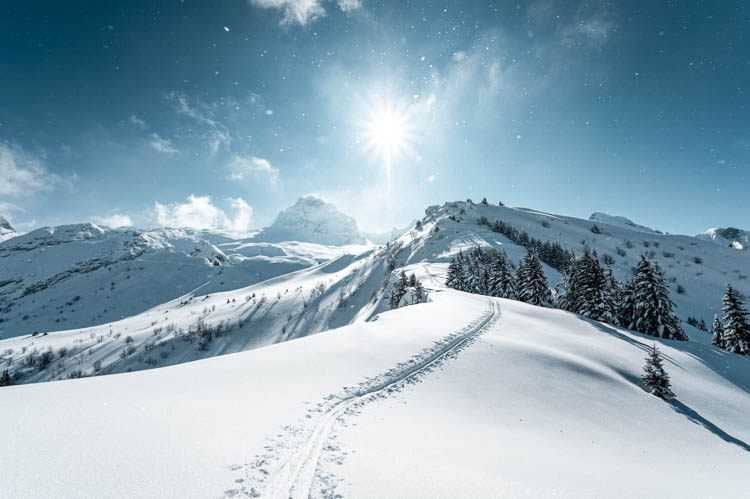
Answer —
290 466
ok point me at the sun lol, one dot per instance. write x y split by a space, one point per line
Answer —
387 134
386 131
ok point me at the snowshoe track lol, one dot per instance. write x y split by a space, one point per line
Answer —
294 476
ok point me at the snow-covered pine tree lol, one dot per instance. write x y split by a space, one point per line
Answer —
532 283
652 311
596 300
736 328
5 379
419 293
412 280
654 375
718 332
454 279
502 283
626 304
473 274
568 297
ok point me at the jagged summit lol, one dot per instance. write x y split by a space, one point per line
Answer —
728 236
6 230
313 220
619 221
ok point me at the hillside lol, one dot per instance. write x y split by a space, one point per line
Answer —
452 398
265 293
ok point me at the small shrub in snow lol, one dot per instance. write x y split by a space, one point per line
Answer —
698 260
620 251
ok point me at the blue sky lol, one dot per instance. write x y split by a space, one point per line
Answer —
220 114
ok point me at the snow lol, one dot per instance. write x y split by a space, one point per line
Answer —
535 402
6 230
619 221
313 220
729 236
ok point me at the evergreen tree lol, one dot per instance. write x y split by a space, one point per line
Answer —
454 279
718 332
419 293
5 379
501 282
532 283
412 280
626 304
652 313
568 297
736 328
655 377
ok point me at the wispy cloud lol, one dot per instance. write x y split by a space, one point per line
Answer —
240 168
217 134
593 31
161 145
22 174
303 12
200 212
138 122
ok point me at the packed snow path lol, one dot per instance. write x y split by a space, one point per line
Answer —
294 477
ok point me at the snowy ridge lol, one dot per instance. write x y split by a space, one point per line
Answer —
730 236
619 221
6 230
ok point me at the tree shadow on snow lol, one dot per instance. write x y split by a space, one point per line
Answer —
732 367
696 418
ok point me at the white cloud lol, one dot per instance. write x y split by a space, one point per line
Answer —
240 167
295 11
161 145
22 174
494 79
138 122
217 135
199 212
304 11
115 220
349 5
592 32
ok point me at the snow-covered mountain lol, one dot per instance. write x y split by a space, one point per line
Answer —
619 221
101 285
81 275
6 230
729 236
313 220
464 396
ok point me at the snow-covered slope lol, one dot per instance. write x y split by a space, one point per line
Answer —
729 236
255 293
626 223
311 219
6 230
697 270
76 276
454 398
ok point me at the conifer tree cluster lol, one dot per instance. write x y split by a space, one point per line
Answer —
589 289
403 285
733 334
553 254
645 305
490 272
